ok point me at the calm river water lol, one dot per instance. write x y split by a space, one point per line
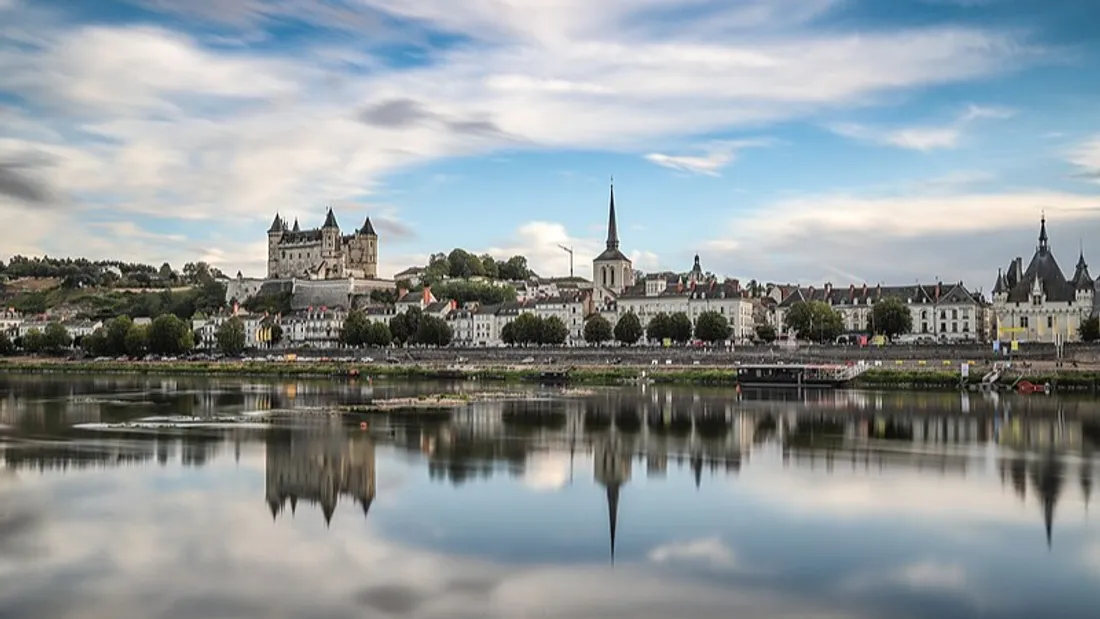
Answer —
640 502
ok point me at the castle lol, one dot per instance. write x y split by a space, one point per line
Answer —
321 253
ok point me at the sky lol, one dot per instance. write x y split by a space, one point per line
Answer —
795 141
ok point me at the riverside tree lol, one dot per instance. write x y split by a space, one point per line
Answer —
628 329
56 337
712 327
231 337
168 335
814 320
433 331
890 317
597 330
1090 329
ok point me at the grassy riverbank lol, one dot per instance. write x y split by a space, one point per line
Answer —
1067 380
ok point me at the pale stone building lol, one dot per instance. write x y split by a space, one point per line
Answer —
1038 304
321 253
694 294
939 311
314 327
612 270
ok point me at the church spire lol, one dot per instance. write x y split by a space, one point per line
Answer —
612 227
1043 241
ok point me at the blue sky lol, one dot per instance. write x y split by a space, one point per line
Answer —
783 140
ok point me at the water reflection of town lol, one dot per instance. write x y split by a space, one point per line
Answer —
1041 443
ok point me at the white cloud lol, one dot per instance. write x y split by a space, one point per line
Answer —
940 233
921 138
172 128
714 157
546 471
711 551
1086 156
919 576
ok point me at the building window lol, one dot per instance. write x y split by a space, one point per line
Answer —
924 314
954 327
1023 322
954 314
943 327
924 327
1050 322
943 314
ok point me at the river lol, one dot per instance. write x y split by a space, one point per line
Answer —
640 502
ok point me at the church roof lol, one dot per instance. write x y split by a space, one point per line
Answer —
1082 280
612 252
1044 268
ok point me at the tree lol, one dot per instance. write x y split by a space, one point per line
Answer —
137 341
6 345
56 337
814 320
276 334
680 328
433 331
404 326
766 333
489 267
231 336
95 343
628 330
165 271
462 264
1090 329
354 331
508 334
34 341
712 327
890 317
515 268
168 335
554 332
659 327
377 334
464 292
597 330
117 329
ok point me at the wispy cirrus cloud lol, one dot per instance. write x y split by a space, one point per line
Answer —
1086 157
712 158
921 138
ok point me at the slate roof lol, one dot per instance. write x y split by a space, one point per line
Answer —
612 251
330 220
368 228
693 290
865 295
1017 282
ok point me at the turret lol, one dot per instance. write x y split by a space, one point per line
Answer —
330 236
274 235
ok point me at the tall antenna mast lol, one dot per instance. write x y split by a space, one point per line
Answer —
568 250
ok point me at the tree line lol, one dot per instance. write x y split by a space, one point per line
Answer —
461 264
81 272
677 327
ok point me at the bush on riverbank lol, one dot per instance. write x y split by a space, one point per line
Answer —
593 375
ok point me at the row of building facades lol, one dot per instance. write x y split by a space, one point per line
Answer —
328 272
1032 303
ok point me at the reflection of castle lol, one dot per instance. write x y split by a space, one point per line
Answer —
318 468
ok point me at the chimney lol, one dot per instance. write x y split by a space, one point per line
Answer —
851 293
427 295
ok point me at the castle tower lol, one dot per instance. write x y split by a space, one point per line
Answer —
330 236
274 234
365 256
612 270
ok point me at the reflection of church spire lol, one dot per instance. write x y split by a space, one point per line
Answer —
697 469
293 504
612 515
612 469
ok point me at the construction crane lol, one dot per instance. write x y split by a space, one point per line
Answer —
568 250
